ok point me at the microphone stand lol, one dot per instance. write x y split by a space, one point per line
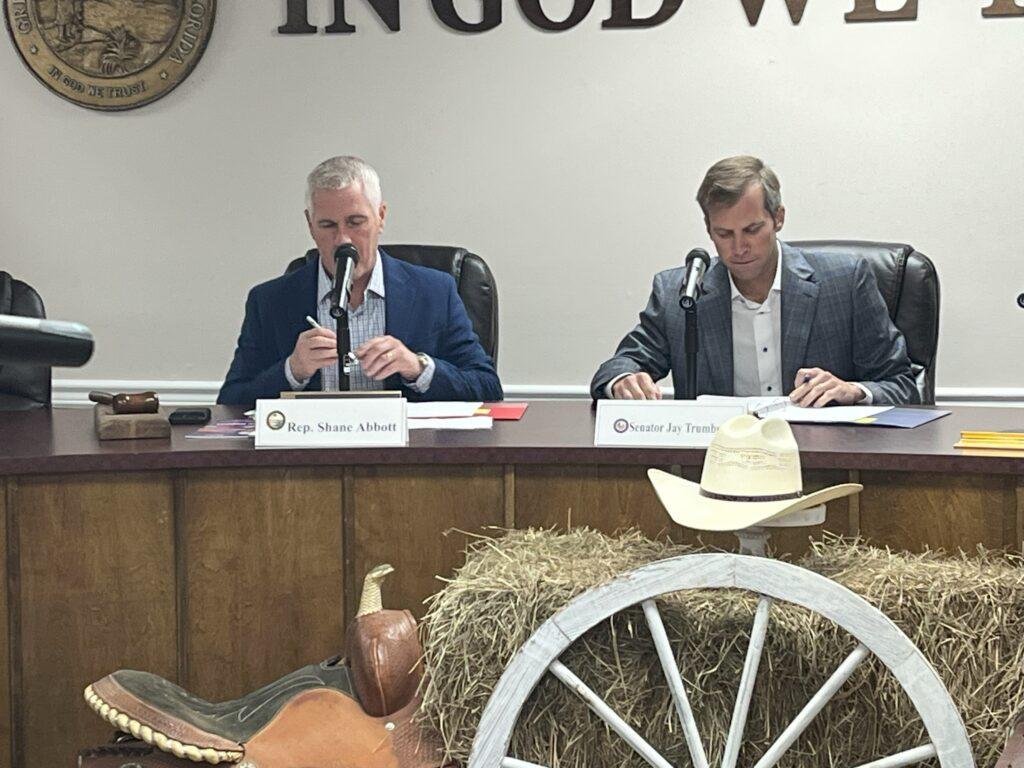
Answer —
690 345
344 342
339 311
697 263
689 307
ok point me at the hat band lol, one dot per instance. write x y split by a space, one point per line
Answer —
778 497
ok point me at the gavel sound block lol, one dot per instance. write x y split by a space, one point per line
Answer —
129 416
129 426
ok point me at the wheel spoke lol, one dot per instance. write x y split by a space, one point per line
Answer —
511 762
606 713
813 707
675 684
746 689
910 757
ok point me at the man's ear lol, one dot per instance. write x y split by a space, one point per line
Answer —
780 217
382 212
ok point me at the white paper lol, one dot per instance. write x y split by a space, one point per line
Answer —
759 406
471 422
442 410
781 408
834 414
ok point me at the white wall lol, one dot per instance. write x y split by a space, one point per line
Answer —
568 160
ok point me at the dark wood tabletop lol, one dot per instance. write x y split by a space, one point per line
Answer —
551 432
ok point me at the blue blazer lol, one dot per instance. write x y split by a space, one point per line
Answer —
833 317
423 310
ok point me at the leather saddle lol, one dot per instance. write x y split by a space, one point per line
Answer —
339 713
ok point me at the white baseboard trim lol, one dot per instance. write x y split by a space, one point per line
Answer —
70 392
75 392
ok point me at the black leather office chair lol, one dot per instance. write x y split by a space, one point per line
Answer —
22 387
473 280
910 286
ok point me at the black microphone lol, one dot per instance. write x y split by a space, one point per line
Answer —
697 262
44 342
341 286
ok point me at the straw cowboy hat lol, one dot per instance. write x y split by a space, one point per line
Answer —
751 475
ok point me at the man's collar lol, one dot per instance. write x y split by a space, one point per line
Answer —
376 284
734 292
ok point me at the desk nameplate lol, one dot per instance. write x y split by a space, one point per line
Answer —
660 423
332 423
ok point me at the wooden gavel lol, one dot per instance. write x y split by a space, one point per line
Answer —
128 402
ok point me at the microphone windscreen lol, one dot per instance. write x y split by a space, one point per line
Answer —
699 253
346 251
44 342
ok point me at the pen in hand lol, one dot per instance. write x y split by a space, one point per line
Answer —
351 361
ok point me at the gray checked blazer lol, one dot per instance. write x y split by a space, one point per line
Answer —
833 317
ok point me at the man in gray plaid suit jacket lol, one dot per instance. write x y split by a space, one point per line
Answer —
774 320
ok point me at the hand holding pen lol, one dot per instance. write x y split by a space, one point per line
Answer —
815 388
314 349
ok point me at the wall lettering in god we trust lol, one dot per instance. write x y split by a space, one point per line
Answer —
621 14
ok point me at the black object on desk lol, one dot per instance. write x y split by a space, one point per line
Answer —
189 416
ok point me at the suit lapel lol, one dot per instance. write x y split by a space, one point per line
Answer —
300 300
799 305
399 301
714 333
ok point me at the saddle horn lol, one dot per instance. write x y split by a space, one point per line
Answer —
372 600
384 651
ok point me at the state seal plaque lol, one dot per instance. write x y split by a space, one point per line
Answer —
110 54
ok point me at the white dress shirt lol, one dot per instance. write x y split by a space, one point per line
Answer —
757 341
367 321
757 344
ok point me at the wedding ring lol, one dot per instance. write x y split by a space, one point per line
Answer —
387 355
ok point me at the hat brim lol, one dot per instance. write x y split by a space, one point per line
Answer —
685 505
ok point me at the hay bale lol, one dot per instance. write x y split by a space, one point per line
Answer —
965 613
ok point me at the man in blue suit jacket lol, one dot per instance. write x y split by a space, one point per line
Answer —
409 328
773 320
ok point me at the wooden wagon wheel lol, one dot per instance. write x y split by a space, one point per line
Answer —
770 579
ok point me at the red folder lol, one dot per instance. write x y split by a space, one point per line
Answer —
503 411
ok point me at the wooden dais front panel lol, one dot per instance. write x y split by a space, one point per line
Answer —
95 592
915 510
417 518
262 578
5 657
608 498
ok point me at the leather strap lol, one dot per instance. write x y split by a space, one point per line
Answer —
777 497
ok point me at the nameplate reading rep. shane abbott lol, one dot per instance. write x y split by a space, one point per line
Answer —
350 422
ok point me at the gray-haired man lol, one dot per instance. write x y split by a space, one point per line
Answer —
409 328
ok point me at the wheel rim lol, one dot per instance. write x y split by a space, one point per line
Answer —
774 581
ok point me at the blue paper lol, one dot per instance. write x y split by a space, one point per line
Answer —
902 418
